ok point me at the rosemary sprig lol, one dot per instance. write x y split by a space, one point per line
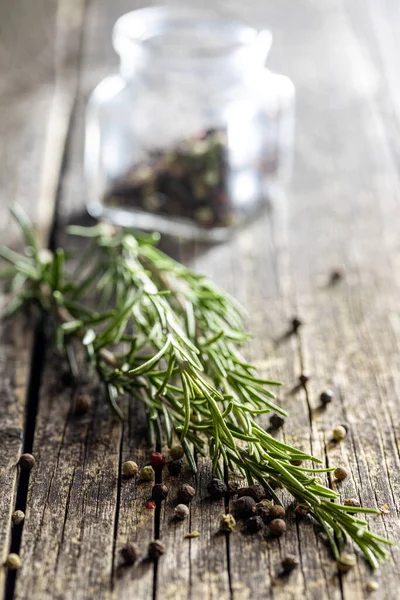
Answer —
172 339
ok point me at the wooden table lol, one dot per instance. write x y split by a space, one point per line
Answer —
343 210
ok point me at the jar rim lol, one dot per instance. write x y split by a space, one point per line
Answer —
186 37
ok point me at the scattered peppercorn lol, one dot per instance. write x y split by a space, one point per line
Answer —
254 524
185 493
156 549
289 563
176 452
227 523
276 421
232 488
304 377
326 397
147 473
216 488
159 492
129 554
296 323
277 527
301 511
255 491
267 503
339 433
157 461
296 462
340 473
81 404
372 586
346 562
18 517
26 462
352 502
277 512
181 512
129 468
264 513
174 467
335 276
13 562
244 507
150 505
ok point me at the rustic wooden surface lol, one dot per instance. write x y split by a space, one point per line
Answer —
343 211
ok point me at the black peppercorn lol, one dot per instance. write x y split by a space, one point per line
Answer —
232 488
176 452
254 524
326 397
277 527
174 467
156 549
26 462
159 492
276 421
129 554
244 507
289 563
185 493
296 323
301 511
81 404
296 462
216 488
255 491
304 377
277 512
264 513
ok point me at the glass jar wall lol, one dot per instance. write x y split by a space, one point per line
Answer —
194 133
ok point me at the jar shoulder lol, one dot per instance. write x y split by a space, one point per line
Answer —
107 91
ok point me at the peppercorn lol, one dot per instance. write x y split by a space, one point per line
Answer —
147 473
277 512
339 433
18 517
227 523
351 502
26 462
176 452
264 513
346 562
255 491
181 512
129 468
156 549
372 586
157 461
13 562
296 323
244 507
81 404
340 473
150 505
266 503
326 397
129 554
289 563
276 421
304 377
277 527
185 493
296 462
335 276
174 467
254 524
159 492
301 511
232 488
216 488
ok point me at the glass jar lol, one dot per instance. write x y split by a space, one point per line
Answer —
193 135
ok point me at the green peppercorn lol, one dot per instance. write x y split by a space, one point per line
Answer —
339 433
18 517
13 562
277 527
227 523
351 502
176 452
346 562
372 586
156 549
147 473
340 473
